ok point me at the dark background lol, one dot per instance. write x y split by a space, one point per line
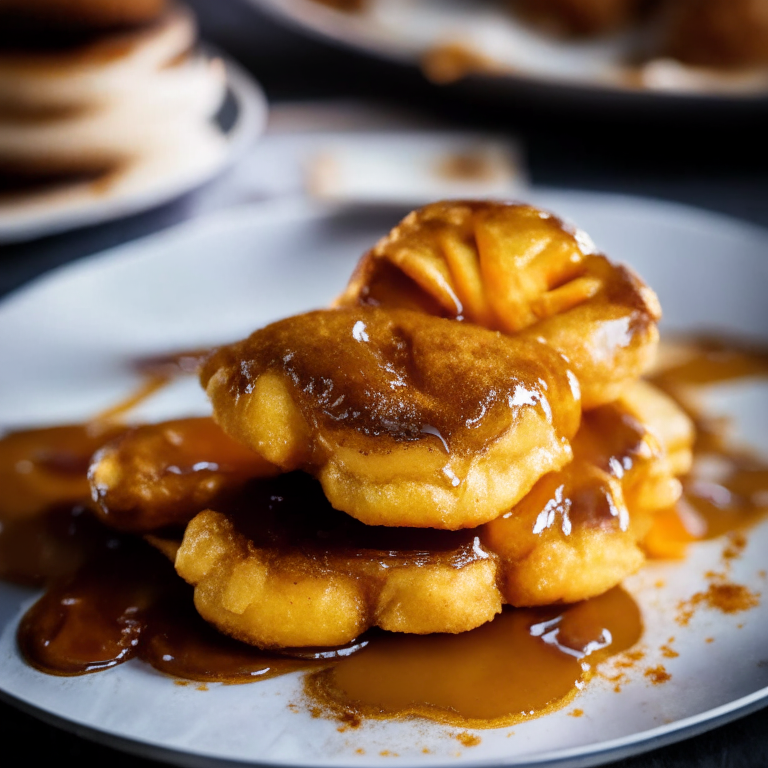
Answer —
712 155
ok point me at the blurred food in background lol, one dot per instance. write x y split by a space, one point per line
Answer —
718 33
99 94
695 46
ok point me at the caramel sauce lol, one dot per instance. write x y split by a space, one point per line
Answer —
524 663
112 597
728 487
294 515
399 376
159 475
45 529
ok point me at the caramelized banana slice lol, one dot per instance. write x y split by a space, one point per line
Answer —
160 475
406 419
577 533
517 269
286 569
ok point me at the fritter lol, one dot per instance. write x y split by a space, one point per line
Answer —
405 418
286 569
519 270
579 531
159 475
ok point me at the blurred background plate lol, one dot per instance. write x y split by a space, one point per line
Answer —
486 44
240 120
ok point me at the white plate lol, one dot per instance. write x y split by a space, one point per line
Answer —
245 113
407 30
65 342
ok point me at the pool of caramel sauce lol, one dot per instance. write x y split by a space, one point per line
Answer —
111 597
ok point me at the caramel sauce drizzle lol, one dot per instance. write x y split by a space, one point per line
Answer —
728 488
112 597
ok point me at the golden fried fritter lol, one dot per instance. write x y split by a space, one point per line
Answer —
281 567
159 475
567 540
286 569
577 533
517 269
720 33
406 419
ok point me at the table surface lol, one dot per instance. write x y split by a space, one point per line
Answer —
715 158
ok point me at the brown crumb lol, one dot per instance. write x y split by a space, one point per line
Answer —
359 751
426 751
629 659
467 739
710 640
726 598
348 720
762 574
576 713
660 584
657 675
735 547
668 652
182 683
387 753
202 687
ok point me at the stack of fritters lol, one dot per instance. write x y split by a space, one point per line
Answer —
465 429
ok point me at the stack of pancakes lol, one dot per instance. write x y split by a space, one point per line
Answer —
466 428
98 96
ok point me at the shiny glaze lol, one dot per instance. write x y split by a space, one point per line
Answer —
294 516
159 475
521 665
399 376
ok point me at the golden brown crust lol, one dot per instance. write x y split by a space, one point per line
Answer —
288 570
406 419
520 270
578 532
